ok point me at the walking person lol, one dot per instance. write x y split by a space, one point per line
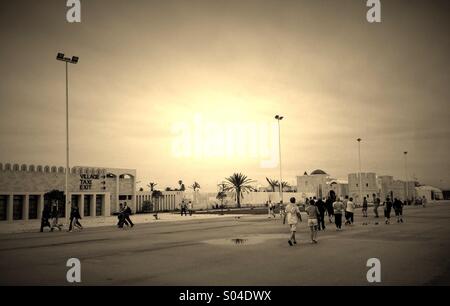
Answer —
398 208
121 216
190 208
338 208
127 212
46 213
321 218
376 204
271 209
74 218
293 216
55 215
345 209
387 211
330 210
313 215
424 201
350 212
282 212
365 207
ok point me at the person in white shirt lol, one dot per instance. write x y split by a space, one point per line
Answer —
292 216
350 209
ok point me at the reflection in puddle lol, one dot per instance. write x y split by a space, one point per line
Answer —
245 239
239 241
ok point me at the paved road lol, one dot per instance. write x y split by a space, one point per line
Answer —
202 253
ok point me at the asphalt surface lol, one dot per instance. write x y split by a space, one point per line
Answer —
203 252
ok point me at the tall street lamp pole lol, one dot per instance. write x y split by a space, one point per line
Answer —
67 60
359 159
279 118
406 175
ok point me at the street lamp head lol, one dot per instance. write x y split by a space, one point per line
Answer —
74 59
406 152
278 117
359 139
60 56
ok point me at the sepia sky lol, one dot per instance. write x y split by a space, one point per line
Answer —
146 66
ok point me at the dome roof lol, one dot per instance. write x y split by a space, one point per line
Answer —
318 171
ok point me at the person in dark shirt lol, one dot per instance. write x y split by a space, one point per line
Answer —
387 210
127 213
74 218
398 208
321 217
46 214
330 210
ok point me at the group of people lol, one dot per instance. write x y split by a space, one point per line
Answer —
50 215
124 216
316 210
186 208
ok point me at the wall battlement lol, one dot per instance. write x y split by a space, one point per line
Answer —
50 169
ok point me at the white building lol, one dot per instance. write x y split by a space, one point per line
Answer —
364 186
429 192
319 184
96 191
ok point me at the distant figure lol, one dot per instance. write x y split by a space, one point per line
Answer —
330 210
398 208
293 216
321 217
271 209
387 211
350 208
121 216
127 212
313 215
183 207
190 208
376 204
424 201
55 215
46 213
364 207
74 218
282 212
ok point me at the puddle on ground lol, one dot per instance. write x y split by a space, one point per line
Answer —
246 239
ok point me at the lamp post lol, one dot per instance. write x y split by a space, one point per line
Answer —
406 176
359 161
279 118
67 60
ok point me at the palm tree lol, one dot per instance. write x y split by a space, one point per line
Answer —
195 186
273 183
285 185
221 195
238 183
151 185
156 195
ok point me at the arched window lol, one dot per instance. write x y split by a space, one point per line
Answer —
23 167
16 167
31 168
46 169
